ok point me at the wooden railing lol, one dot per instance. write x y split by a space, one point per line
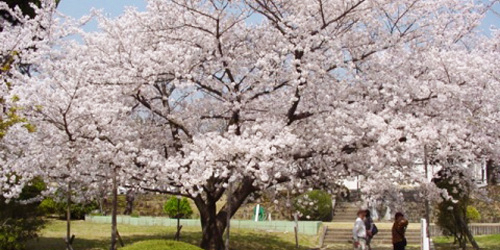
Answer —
475 228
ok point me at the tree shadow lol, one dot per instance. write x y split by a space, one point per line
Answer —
51 243
244 241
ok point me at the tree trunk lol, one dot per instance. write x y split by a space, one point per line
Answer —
214 223
68 217
229 190
130 197
114 212
491 172
427 202
466 234
212 228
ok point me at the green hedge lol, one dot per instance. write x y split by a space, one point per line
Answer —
78 210
160 245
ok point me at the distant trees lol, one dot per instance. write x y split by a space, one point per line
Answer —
78 210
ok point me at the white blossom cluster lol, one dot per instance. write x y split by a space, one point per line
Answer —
190 96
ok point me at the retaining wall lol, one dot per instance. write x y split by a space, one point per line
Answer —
305 227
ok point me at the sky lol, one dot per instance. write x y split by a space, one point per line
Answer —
79 8
113 8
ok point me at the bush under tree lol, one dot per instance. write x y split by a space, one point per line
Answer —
77 210
20 219
315 205
473 214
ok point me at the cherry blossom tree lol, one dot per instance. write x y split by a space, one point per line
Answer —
82 139
73 149
22 38
310 93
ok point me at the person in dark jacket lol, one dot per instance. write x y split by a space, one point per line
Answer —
398 232
369 226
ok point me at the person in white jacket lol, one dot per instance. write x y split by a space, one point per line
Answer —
359 231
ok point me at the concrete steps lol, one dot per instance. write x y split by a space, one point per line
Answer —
384 236
345 212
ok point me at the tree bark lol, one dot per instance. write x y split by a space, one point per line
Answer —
427 202
212 227
491 172
130 197
114 212
214 223
229 190
466 234
68 217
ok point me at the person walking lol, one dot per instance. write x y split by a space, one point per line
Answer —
359 231
369 226
398 232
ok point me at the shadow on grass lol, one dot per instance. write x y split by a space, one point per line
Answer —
242 241
450 246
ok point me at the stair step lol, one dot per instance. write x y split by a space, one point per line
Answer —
347 212
374 242
377 236
384 230
384 236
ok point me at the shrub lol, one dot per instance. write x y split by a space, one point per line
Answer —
20 222
77 210
174 209
489 209
161 245
473 214
314 205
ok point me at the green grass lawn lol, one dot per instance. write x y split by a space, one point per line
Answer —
93 236
487 242
161 245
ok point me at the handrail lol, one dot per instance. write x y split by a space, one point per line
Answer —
323 235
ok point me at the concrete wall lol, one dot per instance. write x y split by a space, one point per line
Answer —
305 227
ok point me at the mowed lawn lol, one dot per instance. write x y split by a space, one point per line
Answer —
94 236
485 242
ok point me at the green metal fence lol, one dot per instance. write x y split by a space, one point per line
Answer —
305 227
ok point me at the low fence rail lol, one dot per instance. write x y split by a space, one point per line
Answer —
305 227
475 228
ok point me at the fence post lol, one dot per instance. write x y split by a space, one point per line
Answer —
425 239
